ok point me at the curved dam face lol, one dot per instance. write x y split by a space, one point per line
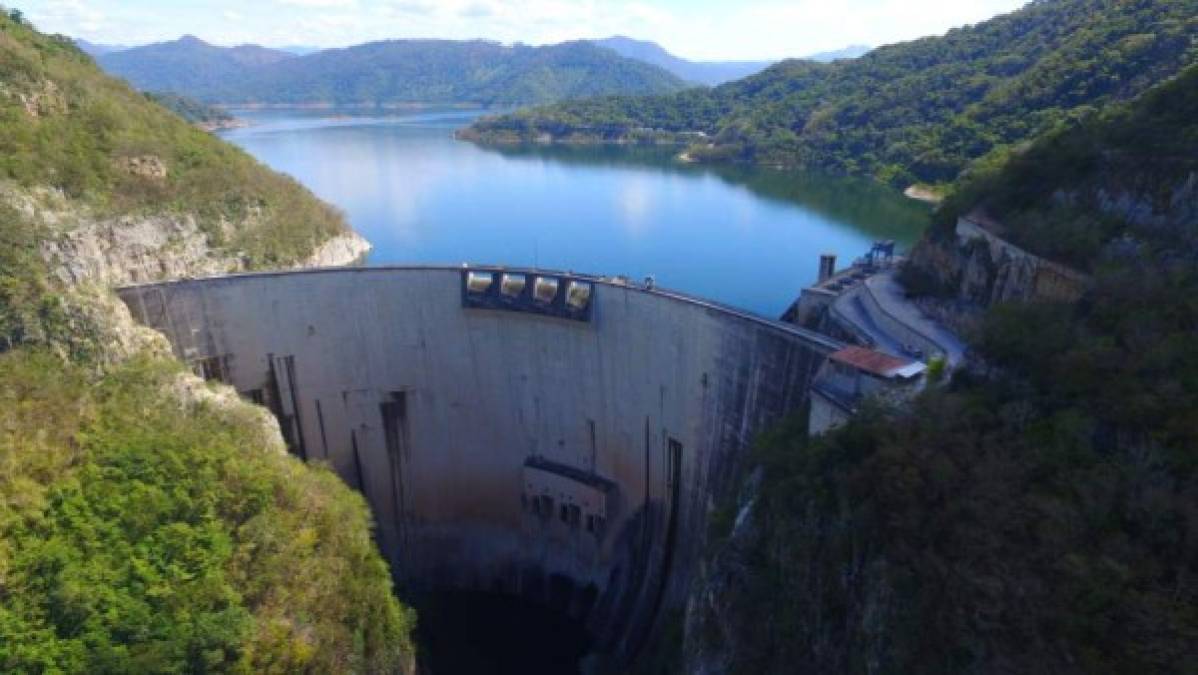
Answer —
546 435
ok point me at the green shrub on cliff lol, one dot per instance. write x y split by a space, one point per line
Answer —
1039 520
138 537
1128 171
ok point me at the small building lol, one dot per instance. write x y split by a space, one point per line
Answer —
851 375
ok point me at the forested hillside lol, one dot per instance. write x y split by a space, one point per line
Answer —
914 112
150 522
1038 513
396 71
1128 174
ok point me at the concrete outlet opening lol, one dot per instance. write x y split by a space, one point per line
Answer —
540 449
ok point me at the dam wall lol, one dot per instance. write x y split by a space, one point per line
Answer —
564 448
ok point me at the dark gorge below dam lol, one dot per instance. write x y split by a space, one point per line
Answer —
534 445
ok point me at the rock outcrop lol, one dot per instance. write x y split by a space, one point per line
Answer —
89 255
83 248
39 100
344 249
982 269
146 166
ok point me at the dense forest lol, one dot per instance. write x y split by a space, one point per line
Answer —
149 522
919 111
394 71
1039 513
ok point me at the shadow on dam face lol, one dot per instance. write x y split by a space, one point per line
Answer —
534 441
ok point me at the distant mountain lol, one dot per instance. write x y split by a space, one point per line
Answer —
425 71
300 50
701 72
850 52
188 65
919 111
711 73
93 49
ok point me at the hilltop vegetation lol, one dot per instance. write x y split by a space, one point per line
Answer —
147 522
395 71
65 126
1128 174
914 112
1038 513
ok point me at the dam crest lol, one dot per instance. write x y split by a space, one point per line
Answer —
557 437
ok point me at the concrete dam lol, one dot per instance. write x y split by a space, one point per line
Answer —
556 437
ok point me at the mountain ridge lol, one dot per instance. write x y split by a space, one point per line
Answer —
389 71
701 72
919 111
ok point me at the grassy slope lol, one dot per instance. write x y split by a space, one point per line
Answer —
136 536
91 121
1035 516
917 111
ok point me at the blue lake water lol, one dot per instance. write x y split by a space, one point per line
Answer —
749 237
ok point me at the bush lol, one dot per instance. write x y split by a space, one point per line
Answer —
135 537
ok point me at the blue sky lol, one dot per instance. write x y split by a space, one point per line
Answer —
699 29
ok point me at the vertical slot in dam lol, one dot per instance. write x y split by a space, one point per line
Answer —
544 444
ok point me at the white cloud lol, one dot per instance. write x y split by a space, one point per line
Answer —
73 17
323 4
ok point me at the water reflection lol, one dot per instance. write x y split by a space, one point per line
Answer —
741 235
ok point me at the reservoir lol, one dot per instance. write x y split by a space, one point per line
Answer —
745 236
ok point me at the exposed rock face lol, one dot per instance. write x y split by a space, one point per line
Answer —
90 255
131 250
191 391
1177 207
717 607
985 270
344 249
40 100
136 249
146 166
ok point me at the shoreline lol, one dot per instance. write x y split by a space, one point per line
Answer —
326 105
922 193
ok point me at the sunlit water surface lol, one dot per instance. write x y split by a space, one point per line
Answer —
744 236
